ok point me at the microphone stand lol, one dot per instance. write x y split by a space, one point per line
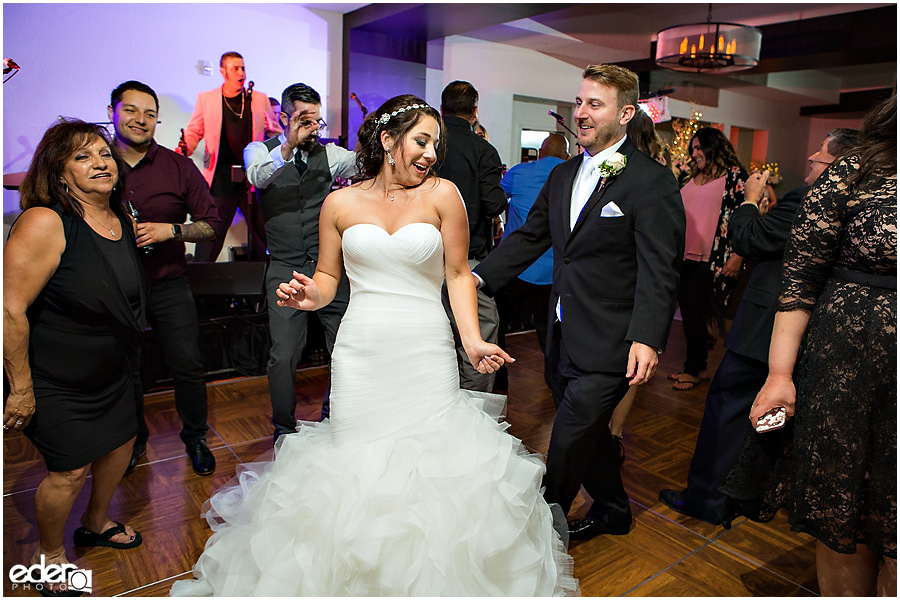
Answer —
9 66
360 104
251 218
561 121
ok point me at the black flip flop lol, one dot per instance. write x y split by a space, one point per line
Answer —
86 537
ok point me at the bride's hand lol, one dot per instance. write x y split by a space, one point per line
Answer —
301 293
487 358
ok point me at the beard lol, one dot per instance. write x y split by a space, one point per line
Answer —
309 142
603 136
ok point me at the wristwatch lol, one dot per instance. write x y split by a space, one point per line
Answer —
176 231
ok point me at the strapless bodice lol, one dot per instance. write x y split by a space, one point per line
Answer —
408 262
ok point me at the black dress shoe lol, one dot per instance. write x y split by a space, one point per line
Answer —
280 432
587 528
675 501
618 449
137 452
202 459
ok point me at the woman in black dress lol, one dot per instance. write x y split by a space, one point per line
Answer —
833 360
72 291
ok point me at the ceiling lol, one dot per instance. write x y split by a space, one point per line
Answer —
827 58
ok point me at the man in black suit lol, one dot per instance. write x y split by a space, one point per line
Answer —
474 166
744 367
615 221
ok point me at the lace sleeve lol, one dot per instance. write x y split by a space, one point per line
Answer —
814 244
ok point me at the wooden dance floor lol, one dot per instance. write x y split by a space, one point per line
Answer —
666 554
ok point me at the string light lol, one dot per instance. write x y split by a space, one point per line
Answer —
772 167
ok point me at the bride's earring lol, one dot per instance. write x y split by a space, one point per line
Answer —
390 158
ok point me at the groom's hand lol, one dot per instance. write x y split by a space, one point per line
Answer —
642 361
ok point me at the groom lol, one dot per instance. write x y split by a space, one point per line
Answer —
615 221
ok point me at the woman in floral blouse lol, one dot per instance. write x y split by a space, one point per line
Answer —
711 268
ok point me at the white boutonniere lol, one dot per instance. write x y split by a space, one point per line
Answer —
613 165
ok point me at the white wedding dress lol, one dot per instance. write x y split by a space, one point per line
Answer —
411 489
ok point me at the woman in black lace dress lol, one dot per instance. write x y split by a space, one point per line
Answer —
836 471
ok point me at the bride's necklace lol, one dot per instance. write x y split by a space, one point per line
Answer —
243 104
385 190
111 231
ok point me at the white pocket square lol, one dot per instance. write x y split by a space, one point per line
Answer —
611 210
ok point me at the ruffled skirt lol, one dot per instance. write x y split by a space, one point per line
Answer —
452 509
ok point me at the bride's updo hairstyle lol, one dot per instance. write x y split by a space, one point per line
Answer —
397 116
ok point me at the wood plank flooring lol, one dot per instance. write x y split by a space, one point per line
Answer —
665 554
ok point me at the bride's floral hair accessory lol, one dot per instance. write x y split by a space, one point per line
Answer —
383 119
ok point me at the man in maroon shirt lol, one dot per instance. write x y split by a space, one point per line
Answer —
164 188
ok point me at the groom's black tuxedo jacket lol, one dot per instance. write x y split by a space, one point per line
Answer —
616 276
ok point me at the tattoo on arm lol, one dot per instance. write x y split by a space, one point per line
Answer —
199 231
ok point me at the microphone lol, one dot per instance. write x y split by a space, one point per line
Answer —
250 87
360 104
562 122
8 65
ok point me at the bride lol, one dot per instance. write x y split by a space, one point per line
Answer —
411 488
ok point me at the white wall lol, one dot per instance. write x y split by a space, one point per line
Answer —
376 79
533 116
498 71
819 128
73 55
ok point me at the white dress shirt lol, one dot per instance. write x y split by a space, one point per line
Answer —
585 184
587 179
263 166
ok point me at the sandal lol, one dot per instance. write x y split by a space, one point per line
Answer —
685 382
674 376
86 537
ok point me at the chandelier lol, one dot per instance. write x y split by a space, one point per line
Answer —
708 47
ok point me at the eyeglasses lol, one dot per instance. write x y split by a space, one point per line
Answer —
321 124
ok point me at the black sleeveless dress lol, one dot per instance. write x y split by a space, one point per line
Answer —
85 337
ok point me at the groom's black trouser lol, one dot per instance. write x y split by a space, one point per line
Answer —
580 450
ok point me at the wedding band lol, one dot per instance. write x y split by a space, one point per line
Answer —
6 427
18 422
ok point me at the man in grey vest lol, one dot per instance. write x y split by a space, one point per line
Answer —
293 174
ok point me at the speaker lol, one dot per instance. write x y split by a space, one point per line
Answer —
221 288
226 279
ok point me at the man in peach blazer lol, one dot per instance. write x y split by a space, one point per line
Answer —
228 118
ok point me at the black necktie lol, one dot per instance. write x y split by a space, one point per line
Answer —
298 162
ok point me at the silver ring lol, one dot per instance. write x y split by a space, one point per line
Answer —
18 422
6 427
